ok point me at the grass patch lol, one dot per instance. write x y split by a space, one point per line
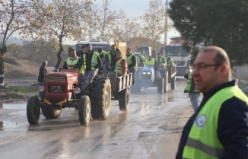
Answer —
22 90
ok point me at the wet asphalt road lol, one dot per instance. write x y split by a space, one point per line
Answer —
149 130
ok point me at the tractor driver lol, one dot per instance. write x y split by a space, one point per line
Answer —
150 61
73 61
91 63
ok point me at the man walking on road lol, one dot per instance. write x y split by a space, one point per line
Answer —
219 127
194 94
42 73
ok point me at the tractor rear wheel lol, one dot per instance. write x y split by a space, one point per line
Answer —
124 99
100 97
173 82
160 85
33 110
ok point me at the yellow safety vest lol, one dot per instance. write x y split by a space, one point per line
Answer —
203 141
150 62
94 61
160 59
118 67
129 61
170 61
73 61
189 83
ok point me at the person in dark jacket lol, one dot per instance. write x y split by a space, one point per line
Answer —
131 61
194 94
42 73
219 127
81 52
111 58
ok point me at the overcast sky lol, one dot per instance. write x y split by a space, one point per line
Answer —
134 8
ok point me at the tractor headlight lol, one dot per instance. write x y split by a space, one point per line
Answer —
144 73
77 90
149 73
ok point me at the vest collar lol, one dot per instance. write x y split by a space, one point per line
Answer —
216 89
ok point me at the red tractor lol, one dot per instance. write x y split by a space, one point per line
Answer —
62 90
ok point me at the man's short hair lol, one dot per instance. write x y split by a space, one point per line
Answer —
71 49
88 45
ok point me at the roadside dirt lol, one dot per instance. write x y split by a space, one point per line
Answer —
21 73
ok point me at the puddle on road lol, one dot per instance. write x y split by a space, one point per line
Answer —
11 125
12 106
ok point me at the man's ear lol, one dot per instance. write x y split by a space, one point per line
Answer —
224 69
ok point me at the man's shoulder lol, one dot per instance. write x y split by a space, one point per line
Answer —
233 103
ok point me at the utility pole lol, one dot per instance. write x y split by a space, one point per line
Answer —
166 22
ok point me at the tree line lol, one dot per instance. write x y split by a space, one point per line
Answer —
222 23
75 20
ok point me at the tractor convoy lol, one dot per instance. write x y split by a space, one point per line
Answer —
62 90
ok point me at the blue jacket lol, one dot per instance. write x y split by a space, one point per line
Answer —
232 126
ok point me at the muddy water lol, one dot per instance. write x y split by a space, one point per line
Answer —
13 106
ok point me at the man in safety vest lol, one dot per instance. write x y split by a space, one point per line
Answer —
103 55
121 65
91 63
219 127
74 62
131 61
194 94
150 61
170 61
143 58
160 62
111 58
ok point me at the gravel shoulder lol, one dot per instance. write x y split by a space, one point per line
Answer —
7 96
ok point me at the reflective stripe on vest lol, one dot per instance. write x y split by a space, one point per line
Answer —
189 84
70 61
94 61
203 141
129 61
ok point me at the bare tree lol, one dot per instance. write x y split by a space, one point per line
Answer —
128 30
14 20
153 21
103 21
61 19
